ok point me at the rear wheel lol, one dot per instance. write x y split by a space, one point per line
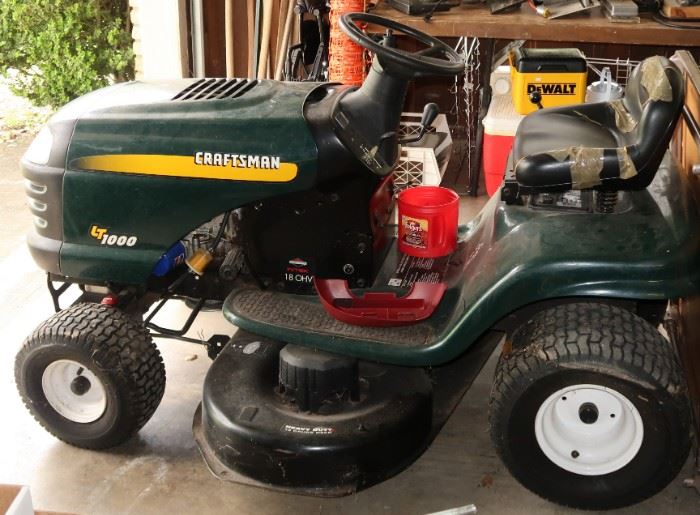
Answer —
91 375
589 410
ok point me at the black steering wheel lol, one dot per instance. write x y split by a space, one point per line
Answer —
437 59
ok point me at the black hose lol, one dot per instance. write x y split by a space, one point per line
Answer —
671 22
220 232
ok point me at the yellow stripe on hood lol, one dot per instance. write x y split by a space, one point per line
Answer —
181 166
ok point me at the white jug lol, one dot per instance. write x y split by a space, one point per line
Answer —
605 89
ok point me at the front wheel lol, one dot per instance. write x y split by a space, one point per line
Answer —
590 411
91 375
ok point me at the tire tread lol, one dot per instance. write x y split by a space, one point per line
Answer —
116 342
598 337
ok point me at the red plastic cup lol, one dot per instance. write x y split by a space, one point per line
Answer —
428 218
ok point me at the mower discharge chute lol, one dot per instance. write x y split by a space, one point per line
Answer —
244 193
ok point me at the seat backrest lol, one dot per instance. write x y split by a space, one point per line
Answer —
654 101
637 131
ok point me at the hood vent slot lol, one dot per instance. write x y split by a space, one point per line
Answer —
216 89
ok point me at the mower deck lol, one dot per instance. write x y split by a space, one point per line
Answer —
247 434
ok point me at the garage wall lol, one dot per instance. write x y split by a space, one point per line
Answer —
160 38
215 41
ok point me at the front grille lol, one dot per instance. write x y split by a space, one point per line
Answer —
38 208
43 186
216 89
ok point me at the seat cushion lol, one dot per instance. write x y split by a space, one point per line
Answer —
552 129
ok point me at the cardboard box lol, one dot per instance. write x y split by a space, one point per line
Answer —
15 500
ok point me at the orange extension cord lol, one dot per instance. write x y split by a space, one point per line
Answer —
346 57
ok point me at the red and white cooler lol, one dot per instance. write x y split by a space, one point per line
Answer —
500 125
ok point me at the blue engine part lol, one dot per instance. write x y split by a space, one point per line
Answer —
170 260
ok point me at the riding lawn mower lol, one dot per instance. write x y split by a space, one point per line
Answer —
275 202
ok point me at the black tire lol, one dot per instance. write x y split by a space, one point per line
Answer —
600 345
113 346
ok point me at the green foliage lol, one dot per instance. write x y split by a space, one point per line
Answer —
56 50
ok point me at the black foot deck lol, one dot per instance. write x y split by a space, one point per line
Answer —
305 314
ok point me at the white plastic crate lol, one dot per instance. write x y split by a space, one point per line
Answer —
418 165
410 124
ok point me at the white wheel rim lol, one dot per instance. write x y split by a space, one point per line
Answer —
79 400
589 430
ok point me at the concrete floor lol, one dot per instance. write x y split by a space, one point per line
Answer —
160 470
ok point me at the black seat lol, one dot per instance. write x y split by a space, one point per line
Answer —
609 146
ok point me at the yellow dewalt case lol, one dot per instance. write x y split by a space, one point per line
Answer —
559 74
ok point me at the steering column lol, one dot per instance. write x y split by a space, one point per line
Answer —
367 119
